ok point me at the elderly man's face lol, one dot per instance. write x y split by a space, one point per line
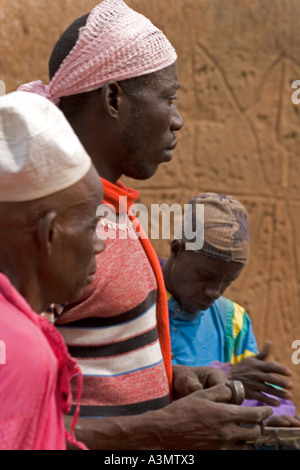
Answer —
149 133
74 256
198 280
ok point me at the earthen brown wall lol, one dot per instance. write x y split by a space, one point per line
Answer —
237 60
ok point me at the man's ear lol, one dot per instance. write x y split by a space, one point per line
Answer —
177 247
112 95
46 232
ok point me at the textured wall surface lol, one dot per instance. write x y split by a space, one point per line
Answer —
237 60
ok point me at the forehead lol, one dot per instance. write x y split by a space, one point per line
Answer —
212 267
86 195
167 74
164 80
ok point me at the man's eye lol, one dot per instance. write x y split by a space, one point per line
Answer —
95 223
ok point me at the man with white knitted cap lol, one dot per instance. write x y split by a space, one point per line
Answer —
49 193
114 74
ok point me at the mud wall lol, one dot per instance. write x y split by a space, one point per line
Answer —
237 61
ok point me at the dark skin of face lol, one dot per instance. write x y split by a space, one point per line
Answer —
51 243
131 132
197 280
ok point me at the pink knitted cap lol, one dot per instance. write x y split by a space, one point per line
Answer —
115 44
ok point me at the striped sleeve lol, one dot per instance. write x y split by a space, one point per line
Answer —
119 357
240 340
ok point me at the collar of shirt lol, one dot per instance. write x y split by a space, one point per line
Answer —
177 312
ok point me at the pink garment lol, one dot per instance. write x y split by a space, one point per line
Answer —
34 378
116 43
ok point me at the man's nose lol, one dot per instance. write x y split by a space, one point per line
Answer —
213 293
177 121
99 244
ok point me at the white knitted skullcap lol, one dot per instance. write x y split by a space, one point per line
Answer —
39 151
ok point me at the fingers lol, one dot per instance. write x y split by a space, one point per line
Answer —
218 425
248 422
277 392
217 393
192 385
266 382
258 396
252 415
258 367
271 385
197 378
278 386
294 422
267 393
283 421
275 368
216 376
249 433
263 354
185 381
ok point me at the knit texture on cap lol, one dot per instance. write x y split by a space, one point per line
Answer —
39 151
116 43
226 227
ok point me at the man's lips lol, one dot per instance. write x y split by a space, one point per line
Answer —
168 150
172 145
90 277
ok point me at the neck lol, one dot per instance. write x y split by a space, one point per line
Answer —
18 268
28 289
100 152
105 171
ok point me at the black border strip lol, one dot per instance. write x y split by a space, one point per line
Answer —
95 322
114 349
123 410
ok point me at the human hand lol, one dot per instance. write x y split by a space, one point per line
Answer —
187 379
258 375
194 422
283 421
198 422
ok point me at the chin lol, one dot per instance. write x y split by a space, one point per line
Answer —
192 309
141 173
76 295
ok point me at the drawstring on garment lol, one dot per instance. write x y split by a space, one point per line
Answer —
67 369
71 438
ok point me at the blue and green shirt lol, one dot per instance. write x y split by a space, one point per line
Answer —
221 333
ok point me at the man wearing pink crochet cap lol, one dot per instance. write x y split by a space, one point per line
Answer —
114 75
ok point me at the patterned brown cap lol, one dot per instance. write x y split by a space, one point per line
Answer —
226 227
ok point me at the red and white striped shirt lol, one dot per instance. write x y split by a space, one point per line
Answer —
119 331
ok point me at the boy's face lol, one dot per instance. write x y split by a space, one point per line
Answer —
198 280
